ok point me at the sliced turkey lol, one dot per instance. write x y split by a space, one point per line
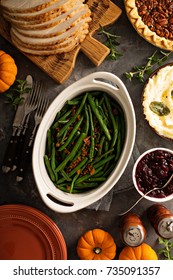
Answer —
26 6
47 27
44 14
61 27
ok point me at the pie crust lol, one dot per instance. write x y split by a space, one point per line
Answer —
143 30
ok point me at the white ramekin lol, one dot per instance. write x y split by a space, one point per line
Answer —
154 199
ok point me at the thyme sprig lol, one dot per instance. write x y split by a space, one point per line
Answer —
14 94
111 43
167 250
140 72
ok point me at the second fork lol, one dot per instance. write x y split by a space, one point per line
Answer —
30 106
43 104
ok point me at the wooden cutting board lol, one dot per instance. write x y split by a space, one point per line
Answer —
60 66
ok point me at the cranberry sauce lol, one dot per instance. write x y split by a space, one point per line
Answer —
153 171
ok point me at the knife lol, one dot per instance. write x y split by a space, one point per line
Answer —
17 128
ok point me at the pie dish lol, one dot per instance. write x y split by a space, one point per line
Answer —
153 20
26 233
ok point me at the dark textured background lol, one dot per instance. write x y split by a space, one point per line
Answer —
135 50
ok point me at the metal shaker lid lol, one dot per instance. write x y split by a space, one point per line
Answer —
165 227
134 236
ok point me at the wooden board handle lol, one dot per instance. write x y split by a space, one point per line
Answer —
94 50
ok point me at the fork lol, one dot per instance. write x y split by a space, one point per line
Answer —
11 155
30 106
27 149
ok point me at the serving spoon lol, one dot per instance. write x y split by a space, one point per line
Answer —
143 196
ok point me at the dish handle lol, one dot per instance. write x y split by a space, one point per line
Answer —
105 79
62 205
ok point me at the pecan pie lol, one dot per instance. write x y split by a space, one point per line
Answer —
153 20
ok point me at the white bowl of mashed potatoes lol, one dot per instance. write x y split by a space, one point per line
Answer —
158 101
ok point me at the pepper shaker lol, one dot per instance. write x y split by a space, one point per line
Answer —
161 219
132 230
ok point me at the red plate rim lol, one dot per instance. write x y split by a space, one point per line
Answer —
34 220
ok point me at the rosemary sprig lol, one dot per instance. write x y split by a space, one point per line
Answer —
167 250
14 94
139 72
111 43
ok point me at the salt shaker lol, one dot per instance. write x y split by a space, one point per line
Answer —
132 230
161 219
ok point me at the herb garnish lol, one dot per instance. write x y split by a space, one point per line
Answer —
111 43
159 108
167 250
139 72
14 94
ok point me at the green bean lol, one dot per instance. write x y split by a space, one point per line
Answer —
71 173
66 114
101 101
101 145
65 189
98 174
65 176
119 145
106 146
73 182
78 167
92 146
103 161
49 141
76 136
85 186
74 101
86 126
63 137
62 186
57 116
87 176
66 126
61 119
72 154
96 179
73 132
78 154
49 169
122 123
97 122
103 114
114 123
103 155
97 139
108 170
97 114
53 161
95 93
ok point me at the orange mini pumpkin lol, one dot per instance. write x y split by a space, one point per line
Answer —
8 71
141 252
96 244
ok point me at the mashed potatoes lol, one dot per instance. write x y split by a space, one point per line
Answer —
158 102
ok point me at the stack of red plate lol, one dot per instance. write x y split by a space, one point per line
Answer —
28 234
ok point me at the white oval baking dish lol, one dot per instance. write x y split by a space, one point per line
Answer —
54 198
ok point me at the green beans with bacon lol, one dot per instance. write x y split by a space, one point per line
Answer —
84 142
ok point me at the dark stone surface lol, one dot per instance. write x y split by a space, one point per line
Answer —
135 50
